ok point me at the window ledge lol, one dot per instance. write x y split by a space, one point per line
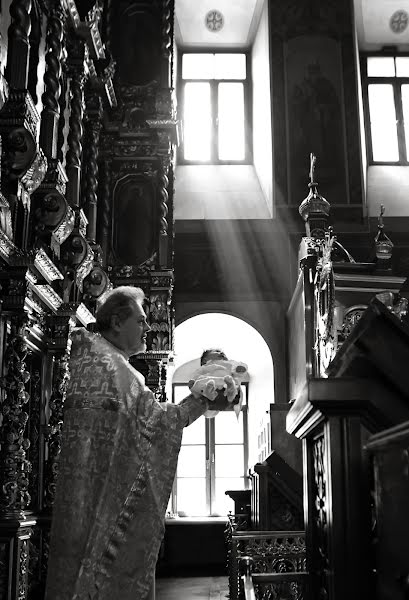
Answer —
194 520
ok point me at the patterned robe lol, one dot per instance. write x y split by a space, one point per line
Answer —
116 469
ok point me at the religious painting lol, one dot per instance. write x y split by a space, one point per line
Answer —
134 220
315 106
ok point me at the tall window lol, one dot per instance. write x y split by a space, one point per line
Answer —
387 105
213 458
214 108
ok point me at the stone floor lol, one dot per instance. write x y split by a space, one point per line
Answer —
192 588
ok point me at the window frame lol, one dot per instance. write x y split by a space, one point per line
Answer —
248 145
210 447
396 83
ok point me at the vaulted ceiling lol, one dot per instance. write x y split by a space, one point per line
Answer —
199 24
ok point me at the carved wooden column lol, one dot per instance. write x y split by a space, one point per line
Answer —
15 528
76 73
52 80
93 126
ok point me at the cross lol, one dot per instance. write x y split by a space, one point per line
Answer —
313 160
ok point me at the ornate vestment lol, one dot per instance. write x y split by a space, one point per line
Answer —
116 469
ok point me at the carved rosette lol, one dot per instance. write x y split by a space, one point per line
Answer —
54 426
14 466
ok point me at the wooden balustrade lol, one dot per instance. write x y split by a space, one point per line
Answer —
269 551
264 586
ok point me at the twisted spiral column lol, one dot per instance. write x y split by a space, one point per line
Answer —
18 52
93 127
163 215
52 81
74 153
166 45
105 207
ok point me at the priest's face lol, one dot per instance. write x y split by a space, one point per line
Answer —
132 332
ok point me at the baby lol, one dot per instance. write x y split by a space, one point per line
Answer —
219 380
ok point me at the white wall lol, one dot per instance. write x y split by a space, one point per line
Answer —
218 192
262 133
388 185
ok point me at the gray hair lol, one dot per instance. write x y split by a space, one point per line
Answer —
121 302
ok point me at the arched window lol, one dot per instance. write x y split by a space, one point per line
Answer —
216 453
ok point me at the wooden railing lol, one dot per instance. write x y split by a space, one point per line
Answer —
273 552
265 586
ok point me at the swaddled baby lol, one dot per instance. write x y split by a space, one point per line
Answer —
219 379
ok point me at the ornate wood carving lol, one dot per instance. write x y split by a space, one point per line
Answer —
163 226
320 516
56 405
35 452
14 466
52 77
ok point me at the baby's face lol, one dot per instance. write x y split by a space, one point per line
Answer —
213 357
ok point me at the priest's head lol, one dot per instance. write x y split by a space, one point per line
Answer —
121 319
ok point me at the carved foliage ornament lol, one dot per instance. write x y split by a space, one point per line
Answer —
14 467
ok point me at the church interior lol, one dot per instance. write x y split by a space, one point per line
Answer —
244 163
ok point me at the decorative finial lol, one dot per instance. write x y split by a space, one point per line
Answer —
313 160
314 209
383 244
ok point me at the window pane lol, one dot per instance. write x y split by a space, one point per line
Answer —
402 66
383 122
229 461
381 66
222 503
197 121
231 121
195 433
198 66
230 66
191 497
192 461
405 106
228 429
